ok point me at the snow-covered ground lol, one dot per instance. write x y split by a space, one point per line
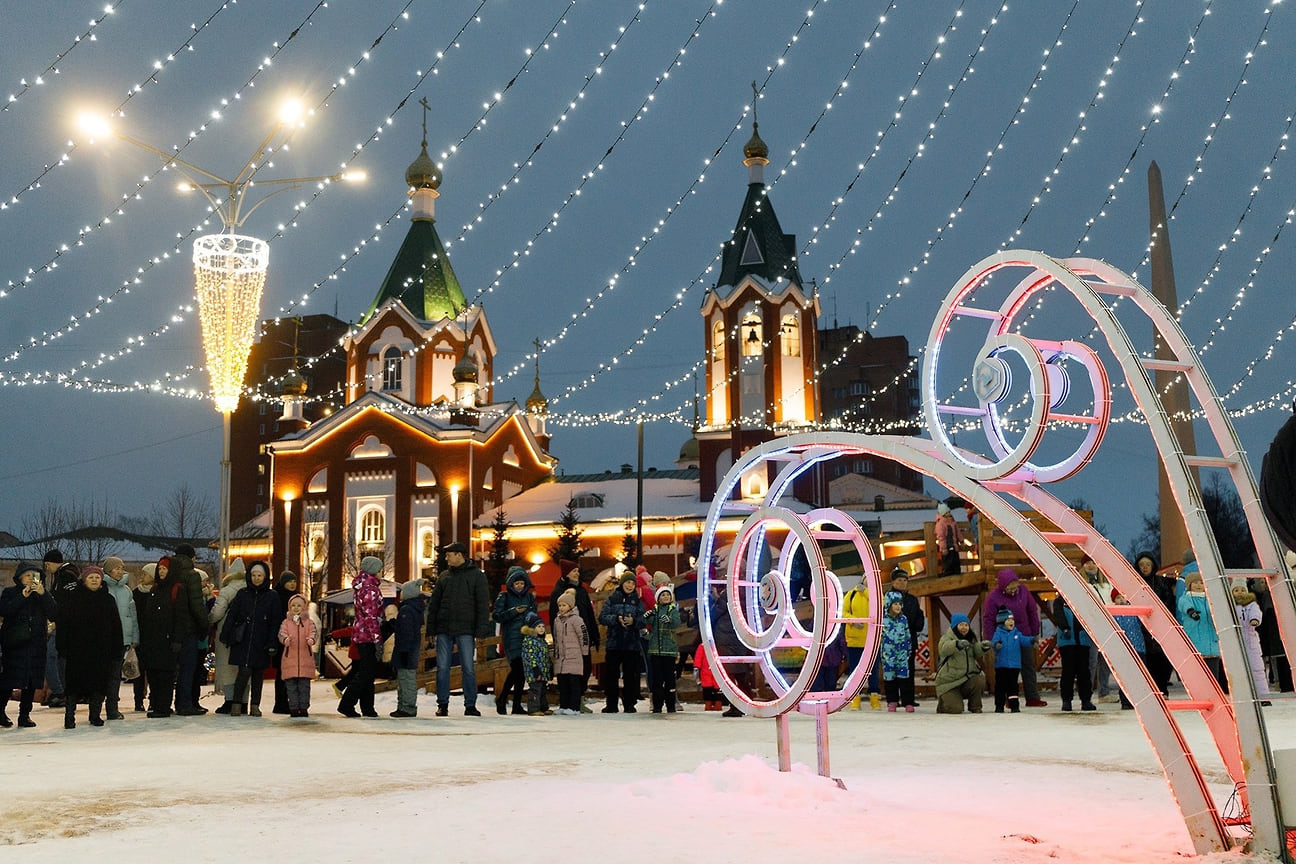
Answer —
1034 787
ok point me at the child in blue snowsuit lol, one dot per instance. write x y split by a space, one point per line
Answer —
1011 646
1133 630
537 665
897 674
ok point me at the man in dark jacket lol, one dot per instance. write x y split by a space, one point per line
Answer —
585 608
190 625
459 614
622 614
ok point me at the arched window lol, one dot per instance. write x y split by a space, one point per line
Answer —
790 336
751 334
373 527
718 342
393 363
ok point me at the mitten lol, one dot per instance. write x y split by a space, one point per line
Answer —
1194 614
998 645
985 645
961 644
1254 623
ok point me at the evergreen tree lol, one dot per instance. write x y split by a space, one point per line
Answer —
631 554
497 563
568 547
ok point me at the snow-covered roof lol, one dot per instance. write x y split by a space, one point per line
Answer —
667 495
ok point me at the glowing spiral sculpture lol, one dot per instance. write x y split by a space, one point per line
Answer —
229 274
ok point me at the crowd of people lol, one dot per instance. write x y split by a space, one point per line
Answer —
73 634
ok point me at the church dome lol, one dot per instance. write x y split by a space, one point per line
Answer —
689 450
465 371
755 148
423 172
292 384
536 403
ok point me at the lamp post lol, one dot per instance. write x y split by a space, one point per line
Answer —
229 274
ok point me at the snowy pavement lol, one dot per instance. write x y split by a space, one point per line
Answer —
1035 787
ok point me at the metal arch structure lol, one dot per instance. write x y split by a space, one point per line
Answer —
992 482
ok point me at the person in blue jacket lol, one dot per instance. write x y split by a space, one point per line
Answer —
1073 643
1195 616
1010 645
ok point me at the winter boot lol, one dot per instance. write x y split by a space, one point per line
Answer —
875 701
855 704
5 722
236 709
501 703
1013 705
909 709
892 706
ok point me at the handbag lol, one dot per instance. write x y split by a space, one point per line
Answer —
130 664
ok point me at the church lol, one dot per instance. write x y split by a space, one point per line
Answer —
422 454
420 447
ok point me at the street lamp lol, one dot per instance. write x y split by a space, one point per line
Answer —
229 274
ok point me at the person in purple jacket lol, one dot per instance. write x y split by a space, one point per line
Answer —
1013 596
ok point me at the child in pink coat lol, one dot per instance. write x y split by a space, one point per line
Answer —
297 633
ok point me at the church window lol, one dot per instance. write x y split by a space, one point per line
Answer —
718 342
586 500
373 527
752 336
751 251
790 336
392 367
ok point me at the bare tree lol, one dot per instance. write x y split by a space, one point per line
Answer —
186 515
82 530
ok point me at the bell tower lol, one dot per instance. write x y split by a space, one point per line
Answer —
761 336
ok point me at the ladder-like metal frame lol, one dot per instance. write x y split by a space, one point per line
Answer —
1235 722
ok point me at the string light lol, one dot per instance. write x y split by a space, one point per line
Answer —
25 85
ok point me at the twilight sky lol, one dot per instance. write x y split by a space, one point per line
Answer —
587 190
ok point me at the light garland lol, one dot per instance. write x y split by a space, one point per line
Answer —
229 275
24 85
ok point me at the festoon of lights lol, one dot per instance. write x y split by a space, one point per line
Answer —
215 113
53 68
1223 116
229 271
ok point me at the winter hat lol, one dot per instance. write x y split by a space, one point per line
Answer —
664 589
185 549
287 576
659 578
898 572
91 569
164 561
456 547
111 563
1237 582
1003 615
568 597
53 556
531 620
627 577
372 564
262 566
958 618
236 568
26 567
891 597
298 596
1115 595
942 509
516 574
411 589
149 570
